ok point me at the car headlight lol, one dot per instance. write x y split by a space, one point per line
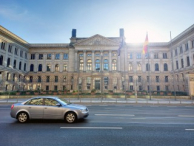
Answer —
84 110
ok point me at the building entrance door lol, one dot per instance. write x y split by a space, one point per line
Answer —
97 84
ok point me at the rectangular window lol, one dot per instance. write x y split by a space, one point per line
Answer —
64 88
148 88
16 51
56 78
140 88
105 54
32 56
148 78
88 80
130 87
166 88
57 56
139 78
55 88
47 78
181 50
31 79
65 56
166 78
40 56
176 53
21 53
39 79
182 63
47 88
130 56
157 79
130 78
48 67
65 67
10 49
164 55
48 56
155 55
188 61
64 78
2 45
26 55
89 55
158 88
138 55
96 54
186 47
177 65
106 83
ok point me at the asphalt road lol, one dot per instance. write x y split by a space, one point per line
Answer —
107 125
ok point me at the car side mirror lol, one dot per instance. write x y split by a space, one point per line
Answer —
58 104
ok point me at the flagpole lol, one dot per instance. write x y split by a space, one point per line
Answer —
172 66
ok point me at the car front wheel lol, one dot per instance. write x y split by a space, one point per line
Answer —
22 117
70 117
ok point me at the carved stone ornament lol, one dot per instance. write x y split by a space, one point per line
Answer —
97 40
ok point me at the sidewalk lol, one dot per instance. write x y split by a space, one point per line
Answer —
114 101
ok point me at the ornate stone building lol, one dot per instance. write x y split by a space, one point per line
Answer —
93 63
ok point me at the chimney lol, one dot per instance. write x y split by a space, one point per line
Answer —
73 33
121 32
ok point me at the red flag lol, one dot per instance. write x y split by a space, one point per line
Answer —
145 46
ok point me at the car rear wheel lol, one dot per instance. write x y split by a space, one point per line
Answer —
22 117
70 117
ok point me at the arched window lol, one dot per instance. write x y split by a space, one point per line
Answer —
89 64
139 67
40 67
147 67
105 64
56 67
130 67
81 64
25 67
97 66
156 67
114 64
1 60
20 65
165 67
32 67
8 62
14 64
48 67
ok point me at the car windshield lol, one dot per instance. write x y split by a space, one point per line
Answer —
63 101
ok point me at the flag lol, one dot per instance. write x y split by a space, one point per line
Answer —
120 46
145 46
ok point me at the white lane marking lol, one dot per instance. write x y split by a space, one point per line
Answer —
171 106
187 116
138 118
190 129
113 115
103 105
114 128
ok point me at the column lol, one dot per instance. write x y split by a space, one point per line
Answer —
76 61
6 54
190 54
53 62
101 60
13 56
84 60
93 61
110 61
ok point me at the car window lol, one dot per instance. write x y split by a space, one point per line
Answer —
36 101
50 102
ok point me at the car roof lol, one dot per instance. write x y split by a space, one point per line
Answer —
53 97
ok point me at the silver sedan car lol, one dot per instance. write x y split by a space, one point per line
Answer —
48 108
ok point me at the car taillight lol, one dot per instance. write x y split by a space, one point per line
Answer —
12 106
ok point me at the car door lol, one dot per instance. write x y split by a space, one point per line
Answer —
35 108
51 110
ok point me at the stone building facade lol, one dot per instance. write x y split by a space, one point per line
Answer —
93 63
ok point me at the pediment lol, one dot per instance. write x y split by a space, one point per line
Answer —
97 40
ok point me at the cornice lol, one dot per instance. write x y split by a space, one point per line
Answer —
12 35
49 45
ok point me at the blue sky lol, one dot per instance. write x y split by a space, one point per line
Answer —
51 21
